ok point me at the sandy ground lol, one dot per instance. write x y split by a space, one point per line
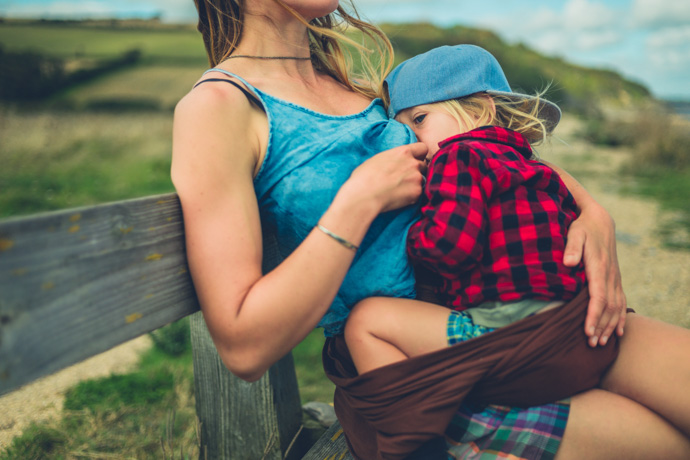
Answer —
656 280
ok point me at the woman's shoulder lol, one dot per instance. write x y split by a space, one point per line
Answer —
214 96
215 122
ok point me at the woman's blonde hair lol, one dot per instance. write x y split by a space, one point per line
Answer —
518 114
221 24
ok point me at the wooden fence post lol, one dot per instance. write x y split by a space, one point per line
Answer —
241 420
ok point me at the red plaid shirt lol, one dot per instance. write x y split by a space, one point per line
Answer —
494 222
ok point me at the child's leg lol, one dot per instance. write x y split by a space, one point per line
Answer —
384 330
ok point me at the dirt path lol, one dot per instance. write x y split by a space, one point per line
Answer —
656 280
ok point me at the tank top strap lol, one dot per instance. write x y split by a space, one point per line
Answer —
252 95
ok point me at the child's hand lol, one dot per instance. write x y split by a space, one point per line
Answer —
391 179
592 237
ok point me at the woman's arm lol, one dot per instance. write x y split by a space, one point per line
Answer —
592 238
255 319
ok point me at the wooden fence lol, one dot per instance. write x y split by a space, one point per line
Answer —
78 282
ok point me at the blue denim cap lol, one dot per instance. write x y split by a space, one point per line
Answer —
452 72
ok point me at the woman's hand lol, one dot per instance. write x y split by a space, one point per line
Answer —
391 179
591 238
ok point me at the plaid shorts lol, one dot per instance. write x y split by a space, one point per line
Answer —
500 432
461 328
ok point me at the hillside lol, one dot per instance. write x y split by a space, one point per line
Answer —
573 87
71 46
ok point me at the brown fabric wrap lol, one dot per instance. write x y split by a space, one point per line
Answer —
390 412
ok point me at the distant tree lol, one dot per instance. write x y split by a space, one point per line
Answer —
27 75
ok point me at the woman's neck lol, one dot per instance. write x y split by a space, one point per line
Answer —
274 32
269 36
278 33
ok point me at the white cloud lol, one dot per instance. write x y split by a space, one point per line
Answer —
597 39
655 14
582 25
669 49
585 15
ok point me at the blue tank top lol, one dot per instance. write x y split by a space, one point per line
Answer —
308 157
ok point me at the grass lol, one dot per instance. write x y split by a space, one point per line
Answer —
313 383
179 45
671 188
659 164
53 160
121 416
148 413
160 85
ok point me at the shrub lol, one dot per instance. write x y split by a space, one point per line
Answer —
611 133
36 442
661 143
173 339
29 76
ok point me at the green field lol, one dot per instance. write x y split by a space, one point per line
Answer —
156 86
181 45
54 160
106 139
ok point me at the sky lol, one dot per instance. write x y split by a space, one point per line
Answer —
647 41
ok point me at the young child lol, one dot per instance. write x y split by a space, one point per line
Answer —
494 219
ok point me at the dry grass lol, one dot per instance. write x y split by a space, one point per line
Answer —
54 160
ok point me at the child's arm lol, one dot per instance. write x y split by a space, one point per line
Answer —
592 238
452 228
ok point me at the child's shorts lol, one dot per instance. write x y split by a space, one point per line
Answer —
461 328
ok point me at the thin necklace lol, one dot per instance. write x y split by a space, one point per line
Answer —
296 58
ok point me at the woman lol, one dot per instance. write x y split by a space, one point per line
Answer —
225 145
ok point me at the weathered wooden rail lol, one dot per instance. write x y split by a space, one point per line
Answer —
75 283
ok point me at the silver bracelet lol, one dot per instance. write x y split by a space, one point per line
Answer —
339 239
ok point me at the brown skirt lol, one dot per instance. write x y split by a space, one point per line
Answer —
390 412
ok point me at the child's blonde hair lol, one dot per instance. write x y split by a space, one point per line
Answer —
518 114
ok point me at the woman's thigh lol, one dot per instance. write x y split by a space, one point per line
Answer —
653 368
604 425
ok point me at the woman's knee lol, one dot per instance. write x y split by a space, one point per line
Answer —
604 425
363 318
649 345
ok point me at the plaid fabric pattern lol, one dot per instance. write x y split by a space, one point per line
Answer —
494 222
460 328
500 432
